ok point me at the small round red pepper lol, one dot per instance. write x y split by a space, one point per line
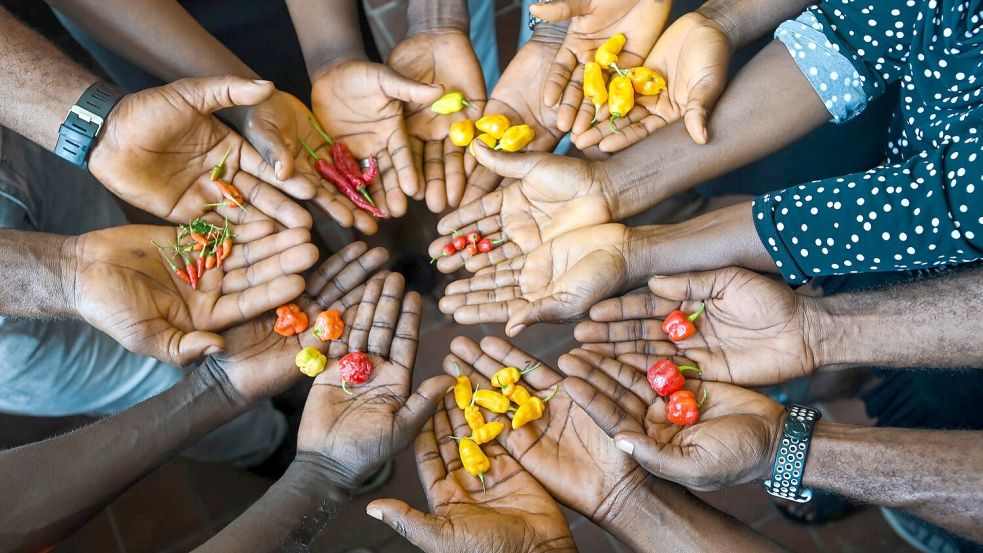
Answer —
678 326
459 242
290 320
666 378
354 368
683 409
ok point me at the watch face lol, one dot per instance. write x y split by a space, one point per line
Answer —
798 429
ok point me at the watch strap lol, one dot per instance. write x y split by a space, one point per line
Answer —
793 452
84 121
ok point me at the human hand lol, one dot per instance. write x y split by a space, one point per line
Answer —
260 363
734 441
361 104
354 432
568 454
556 194
556 282
512 514
121 286
158 148
276 127
693 55
754 330
444 57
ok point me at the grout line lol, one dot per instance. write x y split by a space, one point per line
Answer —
115 529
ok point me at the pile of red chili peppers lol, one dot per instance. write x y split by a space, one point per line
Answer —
344 173
209 246
472 242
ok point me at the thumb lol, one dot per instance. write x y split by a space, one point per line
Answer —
663 460
402 88
686 286
548 309
209 94
513 165
186 347
268 141
418 528
702 98
421 405
559 10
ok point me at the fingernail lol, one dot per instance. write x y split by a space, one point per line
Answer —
262 82
625 445
449 390
374 512
658 276
212 350
277 167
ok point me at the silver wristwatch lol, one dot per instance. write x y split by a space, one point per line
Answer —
533 20
793 451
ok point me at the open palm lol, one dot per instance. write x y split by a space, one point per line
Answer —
753 331
512 514
734 441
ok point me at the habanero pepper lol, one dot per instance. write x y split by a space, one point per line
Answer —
449 103
492 400
531 410
474 417
678 326
328 325
595 88
354 368
462 389
516 393
290 320
487 244
510 375
461 133
488 139
621 99
474 460
495 124
310 361
607 55
486 433
647 82
666 378
683 408
516 138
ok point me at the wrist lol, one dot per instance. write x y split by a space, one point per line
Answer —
631 187
339 476
437 16
834 327
721 17
550 32
332 59
318 470
68 255
212 374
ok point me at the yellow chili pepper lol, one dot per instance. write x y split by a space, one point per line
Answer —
495 125
462 390
474 417
607 54
487 432
452 102
516 138
647 82
621 99
531 410
492 400
462 133
474 460
310 361
488 139
517 394
595 88
510 375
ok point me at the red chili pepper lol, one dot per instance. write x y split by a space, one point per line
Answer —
474 237
290 320
678 326
179 271
191 270
354 368
683 408
459 242
201 266
486 245
449 249
210 261
369 175
472 250
331 174
226 247
666 378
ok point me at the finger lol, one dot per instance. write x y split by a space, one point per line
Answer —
661 349
633 306
605 412
470 356
573 98
487 206
516 165
665 460
387 312
192 345
585 117
246 252
548 309
416 148
702 98
501 254
359 338
407 336
642 360
559 10
338 348
402 155
459 424
442 433
699 286
271 202
335 208
267 139
507 355
621 331
558 76
330 268
433 174
293 261
258 165
631 134
455 177
241 306
418 528
395 198
491 280
625 384
405 89
481 182
348 269
429 465
210 94
419 407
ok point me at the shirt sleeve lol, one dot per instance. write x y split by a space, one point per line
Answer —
921 213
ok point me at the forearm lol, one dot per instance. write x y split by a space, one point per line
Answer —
38 83
289 516
328 30
428 15
59 483
37 275
745 21
930 323
170 45
721 238
769 105
930 473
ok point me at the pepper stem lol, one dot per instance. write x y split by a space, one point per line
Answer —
309 149
481 476
689 368
704 398
696 314
472 393
365 194
324 134
456 367
167 259
217 168
556 388
597 111
614 128
469 104
344 387
621 72
530 369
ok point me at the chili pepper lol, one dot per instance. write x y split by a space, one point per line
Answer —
231 194
486 245
474 417
462 132
516 138
347 166
331 174
472 250
345 161
190 269
290 320
516 393
310 361
459 242
488 139
210 262
449 103
485 433
369 175
199 239
495 125
328 325
531 410
217 169
607 54
462 389
473 237
678 326
180 272
474 460
511 375
647 82
621 99
197 248
200 265
492 400
683 408
354 368
666 378
595 88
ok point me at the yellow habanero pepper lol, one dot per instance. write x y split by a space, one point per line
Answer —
621 99
462 133
607 54
510 375
474 460
494 124
462 389
517 394
452 102
530 411
487 432
647 82
492 400
488 139
516 138
595 88
474 417
310 361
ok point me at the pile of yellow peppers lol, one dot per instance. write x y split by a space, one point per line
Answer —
496 129
620 92
527 409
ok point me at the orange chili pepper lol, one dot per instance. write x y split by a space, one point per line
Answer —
290 320
328 325
647 82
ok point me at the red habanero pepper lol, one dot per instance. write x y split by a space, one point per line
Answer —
666 378
290 320
181 274
354 368
447 251
331 174
683 408
678 326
